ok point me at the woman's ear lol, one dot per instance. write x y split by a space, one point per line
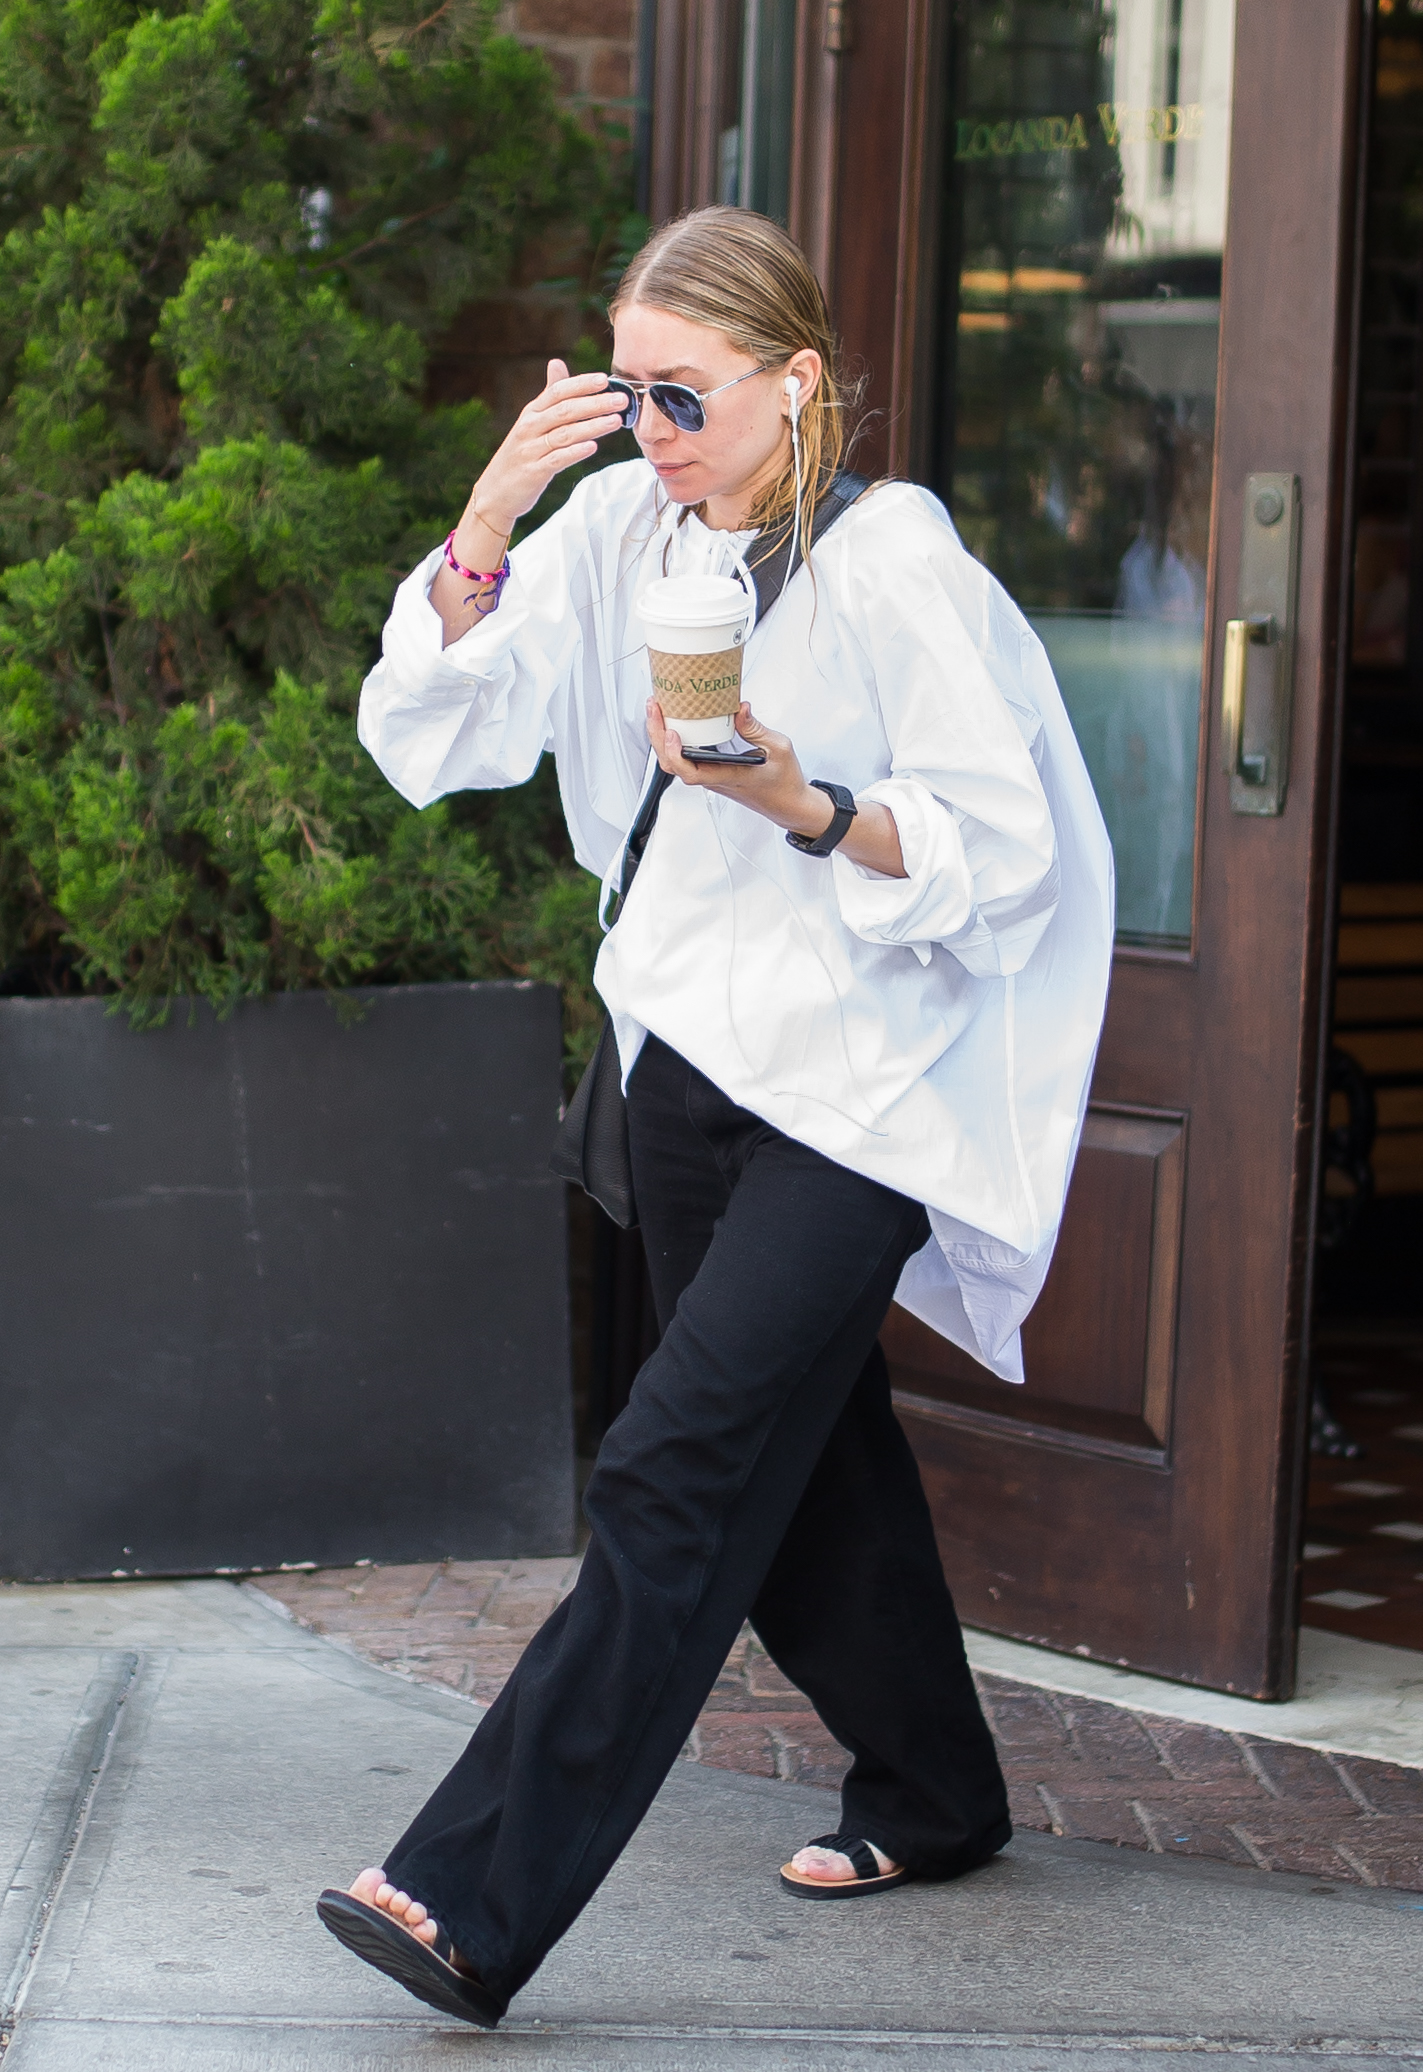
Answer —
805 367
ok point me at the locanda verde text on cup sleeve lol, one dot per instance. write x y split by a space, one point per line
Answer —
702 686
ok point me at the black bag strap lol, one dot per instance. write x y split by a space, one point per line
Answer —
772 571
769 577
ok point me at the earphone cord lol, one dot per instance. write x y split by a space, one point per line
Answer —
795 527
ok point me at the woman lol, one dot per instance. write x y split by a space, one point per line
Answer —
855 1068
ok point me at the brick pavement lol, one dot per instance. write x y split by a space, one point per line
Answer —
1075 1766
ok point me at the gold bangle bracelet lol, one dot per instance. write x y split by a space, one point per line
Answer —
502 537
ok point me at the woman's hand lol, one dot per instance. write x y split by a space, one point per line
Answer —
777 789
558 429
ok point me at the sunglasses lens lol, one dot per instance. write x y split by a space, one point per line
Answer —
681 406
621 397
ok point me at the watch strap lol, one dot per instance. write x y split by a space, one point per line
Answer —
844 803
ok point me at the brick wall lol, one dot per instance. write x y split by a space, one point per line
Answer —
589 43
499 349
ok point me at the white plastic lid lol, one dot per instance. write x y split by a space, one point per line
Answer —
694 601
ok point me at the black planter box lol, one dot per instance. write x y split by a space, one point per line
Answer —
286 1288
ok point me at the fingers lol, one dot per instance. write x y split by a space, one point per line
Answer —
556 449
563 426
667 746
732 782
570 403
751 729
557 430
569 394
573 421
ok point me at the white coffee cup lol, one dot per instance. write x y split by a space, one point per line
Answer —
696 628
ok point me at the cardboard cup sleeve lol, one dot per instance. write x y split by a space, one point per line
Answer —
694 687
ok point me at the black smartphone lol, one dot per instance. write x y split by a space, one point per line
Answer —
728 758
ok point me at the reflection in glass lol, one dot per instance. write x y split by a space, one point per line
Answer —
1085 227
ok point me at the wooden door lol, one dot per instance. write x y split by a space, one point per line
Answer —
1137 1500
1097 262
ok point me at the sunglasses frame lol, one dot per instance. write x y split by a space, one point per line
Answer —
636 390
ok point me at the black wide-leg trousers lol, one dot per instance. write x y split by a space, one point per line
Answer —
758 1471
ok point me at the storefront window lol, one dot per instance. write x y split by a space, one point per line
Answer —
1085 222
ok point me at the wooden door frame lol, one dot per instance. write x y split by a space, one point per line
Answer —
890 142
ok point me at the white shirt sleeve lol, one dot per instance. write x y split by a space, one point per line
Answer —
540 672
475 715
974 824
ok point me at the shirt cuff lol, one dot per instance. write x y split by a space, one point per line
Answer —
934 903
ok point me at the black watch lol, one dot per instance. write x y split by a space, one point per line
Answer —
844 803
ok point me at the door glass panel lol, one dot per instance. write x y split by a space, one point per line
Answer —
756 156
1084 225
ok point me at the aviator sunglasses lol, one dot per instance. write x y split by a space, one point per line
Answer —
682 406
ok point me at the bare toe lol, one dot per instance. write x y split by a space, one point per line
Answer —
833 1867
374 1889
827 1864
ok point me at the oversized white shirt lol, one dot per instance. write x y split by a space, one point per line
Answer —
935 1032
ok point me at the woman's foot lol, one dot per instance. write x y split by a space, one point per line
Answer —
374 1889
833 1867
395 1934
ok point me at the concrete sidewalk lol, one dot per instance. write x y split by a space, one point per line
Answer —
1093 1753
183 1771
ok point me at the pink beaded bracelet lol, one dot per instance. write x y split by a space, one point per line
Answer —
498 577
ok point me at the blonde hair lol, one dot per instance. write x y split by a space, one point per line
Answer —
742 275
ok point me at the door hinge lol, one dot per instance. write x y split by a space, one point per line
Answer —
839 26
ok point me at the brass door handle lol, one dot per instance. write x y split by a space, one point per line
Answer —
1256 697
1240 635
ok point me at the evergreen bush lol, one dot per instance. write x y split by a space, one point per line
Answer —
232 230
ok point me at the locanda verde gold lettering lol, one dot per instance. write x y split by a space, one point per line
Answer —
1019 138
1120 124
1171 125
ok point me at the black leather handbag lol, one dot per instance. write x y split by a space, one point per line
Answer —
592 1142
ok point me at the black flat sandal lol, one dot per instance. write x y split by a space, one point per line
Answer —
425 1969
870 1877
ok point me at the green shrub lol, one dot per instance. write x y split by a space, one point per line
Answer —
232 232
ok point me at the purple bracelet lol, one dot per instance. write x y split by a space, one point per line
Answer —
498 577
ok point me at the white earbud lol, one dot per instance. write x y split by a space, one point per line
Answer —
792 388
